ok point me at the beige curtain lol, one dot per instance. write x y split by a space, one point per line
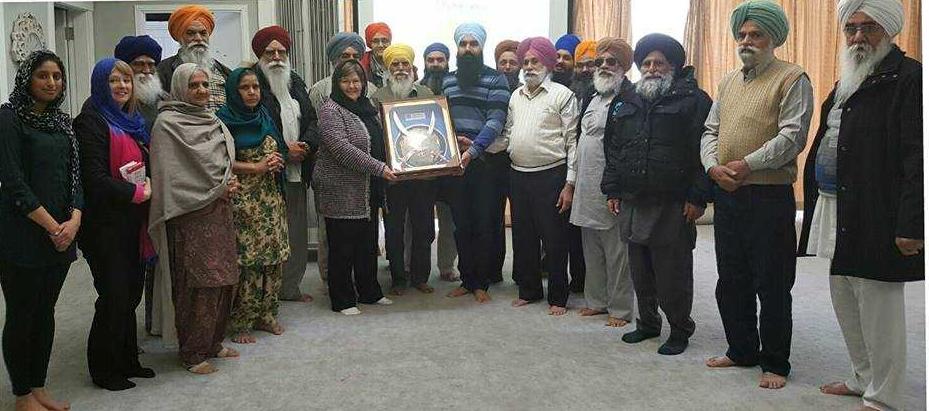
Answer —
596 19
814 42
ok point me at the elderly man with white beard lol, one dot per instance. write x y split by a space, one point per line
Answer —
143 54
411 203
754 132
608 285
657 187
863 198
285 95
192 26
541 135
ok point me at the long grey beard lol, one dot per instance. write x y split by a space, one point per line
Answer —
197 55
400 88
147 88
856 62
651 89
278 75
607 84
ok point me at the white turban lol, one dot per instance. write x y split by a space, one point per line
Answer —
887 13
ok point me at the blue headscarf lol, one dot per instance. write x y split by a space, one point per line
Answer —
436 47
102 98
249 127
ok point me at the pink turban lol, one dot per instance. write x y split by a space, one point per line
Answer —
540 47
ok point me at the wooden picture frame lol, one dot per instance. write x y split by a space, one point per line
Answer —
420 138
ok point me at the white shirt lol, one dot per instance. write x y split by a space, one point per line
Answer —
589 209
541 129
290 121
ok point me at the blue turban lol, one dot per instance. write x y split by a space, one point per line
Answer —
436 47
766 14
568 42
474 29
342 41
131 47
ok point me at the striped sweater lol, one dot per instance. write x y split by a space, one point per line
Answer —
479 112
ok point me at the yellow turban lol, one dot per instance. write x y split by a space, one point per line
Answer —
398 51
587 48
184 16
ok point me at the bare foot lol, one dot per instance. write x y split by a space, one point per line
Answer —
837 388
305 298
616 322
243 338
425 288
274 328
45 399
589 312
556 310
397 291
458 292
203 368
227 352
481 296
519 302
772 381
28 402
449 276
720 362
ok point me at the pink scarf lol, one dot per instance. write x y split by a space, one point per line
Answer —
123 149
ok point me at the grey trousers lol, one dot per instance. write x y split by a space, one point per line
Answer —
608 283
871 316
446 251
322 250
295 267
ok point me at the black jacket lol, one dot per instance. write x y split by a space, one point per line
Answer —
880 174
167 66
309 121
654 148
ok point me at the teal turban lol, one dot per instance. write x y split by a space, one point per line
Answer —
767 14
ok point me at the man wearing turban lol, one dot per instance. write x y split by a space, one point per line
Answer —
863 198
411 203
584 68
191 26
541 132
143 54
754 132
505 57
477 98
657 200
341 47
566 45
283 93
378 38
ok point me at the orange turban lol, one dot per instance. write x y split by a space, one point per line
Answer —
184 16
376 28
587 48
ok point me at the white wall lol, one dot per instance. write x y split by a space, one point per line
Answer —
44 13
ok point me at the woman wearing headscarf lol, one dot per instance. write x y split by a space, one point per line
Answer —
348 180
40 215
191 220
114 160
258 208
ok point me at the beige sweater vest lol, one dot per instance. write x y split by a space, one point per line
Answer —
748 117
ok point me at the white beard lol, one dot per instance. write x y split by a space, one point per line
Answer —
400 88
856 62
753 56
652 88
278 76
534 79
607 84
147 88
197 55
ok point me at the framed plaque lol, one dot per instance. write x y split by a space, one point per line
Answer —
420 138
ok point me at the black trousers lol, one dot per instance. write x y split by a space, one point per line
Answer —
756 246
352 250
473 211
30 295
112 346
535 218
416 199
576 258
500 166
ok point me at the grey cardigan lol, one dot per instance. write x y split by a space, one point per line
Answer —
341 177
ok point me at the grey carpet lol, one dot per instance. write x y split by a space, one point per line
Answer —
432 352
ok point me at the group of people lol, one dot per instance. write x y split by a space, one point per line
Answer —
186 181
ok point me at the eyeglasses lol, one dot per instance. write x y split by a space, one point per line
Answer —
142 65
586 64
610 61
866 29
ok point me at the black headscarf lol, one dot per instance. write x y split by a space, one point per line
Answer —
50 120
368 114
